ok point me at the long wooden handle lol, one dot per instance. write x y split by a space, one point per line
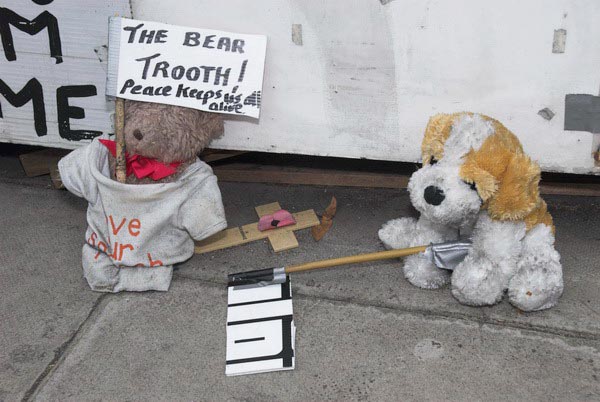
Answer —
354 259
120 161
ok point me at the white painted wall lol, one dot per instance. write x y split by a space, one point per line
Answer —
368 75
83 27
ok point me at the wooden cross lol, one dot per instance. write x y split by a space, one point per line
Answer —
281 238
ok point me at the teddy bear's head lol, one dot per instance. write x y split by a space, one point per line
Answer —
470 162
168 133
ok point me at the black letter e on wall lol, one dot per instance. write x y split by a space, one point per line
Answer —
67 112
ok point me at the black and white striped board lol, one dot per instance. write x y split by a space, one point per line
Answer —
260 329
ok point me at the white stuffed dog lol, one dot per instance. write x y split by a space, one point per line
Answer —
477 182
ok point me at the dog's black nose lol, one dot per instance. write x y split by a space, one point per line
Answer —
138 134
434 195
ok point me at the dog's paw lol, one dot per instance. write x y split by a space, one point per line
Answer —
538 283
398 233
477 282
533 291
421 272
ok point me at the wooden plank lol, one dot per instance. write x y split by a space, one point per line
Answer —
579 189
267 209
215 155
304 219
282 241
39 163
250 232
226 238
252 173
55 178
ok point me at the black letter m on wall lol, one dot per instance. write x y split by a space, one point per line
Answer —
33 27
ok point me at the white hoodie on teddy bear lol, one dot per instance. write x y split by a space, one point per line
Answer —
137 232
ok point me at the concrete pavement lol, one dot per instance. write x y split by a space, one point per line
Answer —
171 346
363 332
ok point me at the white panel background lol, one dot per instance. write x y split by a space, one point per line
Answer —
369 75
83 27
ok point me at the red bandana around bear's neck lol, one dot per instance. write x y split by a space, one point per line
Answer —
142 166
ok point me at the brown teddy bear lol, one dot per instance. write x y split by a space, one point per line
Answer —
137 230
170 135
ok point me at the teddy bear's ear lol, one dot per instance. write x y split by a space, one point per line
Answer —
518 190
206 127
131 107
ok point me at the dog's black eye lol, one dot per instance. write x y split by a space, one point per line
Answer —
472 186
433 161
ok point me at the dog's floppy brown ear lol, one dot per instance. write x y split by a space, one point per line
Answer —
437 131
518 190
485 182
487 166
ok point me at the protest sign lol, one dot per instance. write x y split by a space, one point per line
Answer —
204 69
260 329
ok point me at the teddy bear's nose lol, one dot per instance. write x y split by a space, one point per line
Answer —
434 195
138 134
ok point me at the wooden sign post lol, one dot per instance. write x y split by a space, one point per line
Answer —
121 162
